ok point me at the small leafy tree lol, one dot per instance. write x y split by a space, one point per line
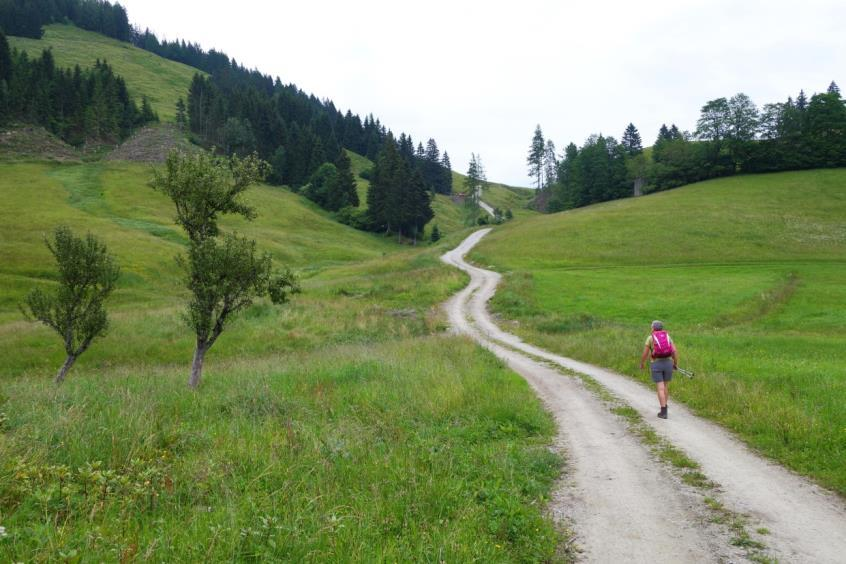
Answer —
87 275
224 277
435 236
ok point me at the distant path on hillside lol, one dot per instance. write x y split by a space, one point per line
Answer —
482 204
624 505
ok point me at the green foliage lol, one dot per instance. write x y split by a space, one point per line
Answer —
320 185
87 276
631 141
204 186
594 173
163 82
435 236
79 106
535 157
181 115
749 291
224 279
26 18
343 191
397 200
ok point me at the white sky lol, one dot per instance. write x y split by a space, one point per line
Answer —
478 76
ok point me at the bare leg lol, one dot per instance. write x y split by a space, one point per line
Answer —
662 393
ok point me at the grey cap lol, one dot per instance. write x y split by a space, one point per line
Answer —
657 325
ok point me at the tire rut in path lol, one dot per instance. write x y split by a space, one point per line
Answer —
624 506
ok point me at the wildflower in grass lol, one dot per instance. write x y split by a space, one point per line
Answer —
3 533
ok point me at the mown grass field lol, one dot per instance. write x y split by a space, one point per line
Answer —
146 74
342 426
746 272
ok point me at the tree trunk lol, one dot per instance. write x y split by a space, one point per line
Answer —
197 366
63 371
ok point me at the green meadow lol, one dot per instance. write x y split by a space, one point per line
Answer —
345 425
746 272
146 74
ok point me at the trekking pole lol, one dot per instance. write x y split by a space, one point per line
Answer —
683 372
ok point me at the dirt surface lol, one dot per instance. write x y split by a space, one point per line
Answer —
152 144
35 142
623 505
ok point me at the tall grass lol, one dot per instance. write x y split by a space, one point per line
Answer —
747 275
341 427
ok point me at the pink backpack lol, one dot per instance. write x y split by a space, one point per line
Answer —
661 345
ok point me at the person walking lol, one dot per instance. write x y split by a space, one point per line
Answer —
665 359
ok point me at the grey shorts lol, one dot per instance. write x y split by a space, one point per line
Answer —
662 370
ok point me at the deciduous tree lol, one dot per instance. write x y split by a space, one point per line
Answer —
223 277
74 309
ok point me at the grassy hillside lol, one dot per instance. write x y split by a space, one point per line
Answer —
501 196
161 80
345 425
747 273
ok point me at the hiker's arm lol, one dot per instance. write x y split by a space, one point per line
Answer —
644 356
675 359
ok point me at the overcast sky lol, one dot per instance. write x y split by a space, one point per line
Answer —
478 76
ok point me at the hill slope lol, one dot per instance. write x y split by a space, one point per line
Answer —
747 273
146 74
345 407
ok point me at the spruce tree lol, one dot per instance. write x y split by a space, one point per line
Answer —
801 101
535 158
181 117
550 163
446 167
631 140
343 192
5 59
833 88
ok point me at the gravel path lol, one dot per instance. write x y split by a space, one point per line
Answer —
622 504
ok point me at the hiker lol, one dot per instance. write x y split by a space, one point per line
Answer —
665 359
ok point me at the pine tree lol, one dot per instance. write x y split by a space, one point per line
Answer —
5 59
181 118
550 163
801 101
343 193
631 141
535 158
833 88
447 172
473 181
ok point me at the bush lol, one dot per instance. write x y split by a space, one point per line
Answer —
354 217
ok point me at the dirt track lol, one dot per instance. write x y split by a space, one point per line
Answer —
623 505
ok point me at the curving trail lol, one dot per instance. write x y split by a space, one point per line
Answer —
623 505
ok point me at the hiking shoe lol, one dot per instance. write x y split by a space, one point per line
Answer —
662 414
